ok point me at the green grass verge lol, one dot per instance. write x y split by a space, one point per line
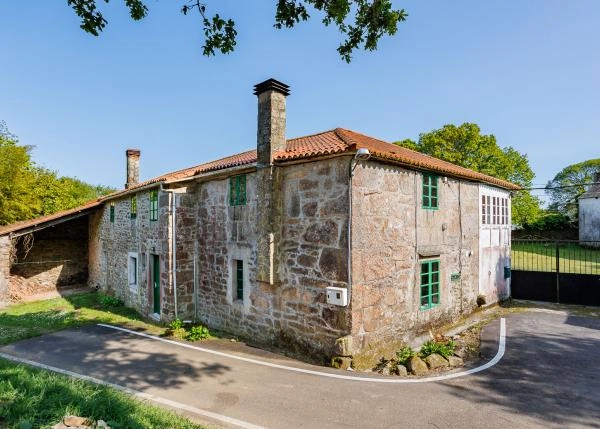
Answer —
41 317
573 258
36 398
33 398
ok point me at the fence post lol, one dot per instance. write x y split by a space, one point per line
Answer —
557 272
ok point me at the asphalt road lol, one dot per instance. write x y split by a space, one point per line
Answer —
549 376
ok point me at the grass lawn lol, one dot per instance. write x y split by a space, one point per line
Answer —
542 257
41 317
33 398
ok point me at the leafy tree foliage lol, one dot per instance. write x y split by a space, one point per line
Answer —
464 145
28 191
362 22
569 184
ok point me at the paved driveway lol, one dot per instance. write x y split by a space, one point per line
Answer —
548 377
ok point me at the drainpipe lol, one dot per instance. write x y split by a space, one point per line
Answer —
173 192
362 154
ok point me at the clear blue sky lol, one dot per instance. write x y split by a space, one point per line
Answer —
526 71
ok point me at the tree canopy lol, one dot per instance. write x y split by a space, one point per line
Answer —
464 145
362 22
569 184
28 190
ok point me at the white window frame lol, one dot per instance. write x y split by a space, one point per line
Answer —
133 270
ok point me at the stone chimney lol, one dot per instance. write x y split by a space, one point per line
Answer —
133 167
270 139
270 136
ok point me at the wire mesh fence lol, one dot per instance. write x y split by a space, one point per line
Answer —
573 257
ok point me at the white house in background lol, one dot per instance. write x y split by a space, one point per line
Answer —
589 215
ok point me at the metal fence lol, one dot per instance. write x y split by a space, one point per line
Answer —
556 271
572 257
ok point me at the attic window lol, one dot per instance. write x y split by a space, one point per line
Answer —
112 212
237 190
430 191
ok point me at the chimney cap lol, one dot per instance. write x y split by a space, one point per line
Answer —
271 85
133 152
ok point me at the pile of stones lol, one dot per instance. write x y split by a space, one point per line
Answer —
419 366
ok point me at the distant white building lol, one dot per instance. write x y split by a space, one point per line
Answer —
589 214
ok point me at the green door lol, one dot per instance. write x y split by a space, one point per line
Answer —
156 282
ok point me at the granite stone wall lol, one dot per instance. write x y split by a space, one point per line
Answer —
112 243
5 250
391 235
311 255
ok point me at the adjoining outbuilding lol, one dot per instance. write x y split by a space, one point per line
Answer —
333 243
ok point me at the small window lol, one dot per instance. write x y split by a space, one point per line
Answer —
238 267
112 212
154 205
489 215
132 270
430 284
430 191
133 207
237 190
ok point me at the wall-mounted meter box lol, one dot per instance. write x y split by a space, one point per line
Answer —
337 296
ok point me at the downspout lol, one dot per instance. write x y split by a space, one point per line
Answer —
349 239
173 245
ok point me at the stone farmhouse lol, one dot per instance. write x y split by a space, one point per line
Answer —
332 243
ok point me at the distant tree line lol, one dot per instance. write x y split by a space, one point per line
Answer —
28 190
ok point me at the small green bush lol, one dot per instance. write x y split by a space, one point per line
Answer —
404 354
445 349
107 301
176 324
197 333
549 222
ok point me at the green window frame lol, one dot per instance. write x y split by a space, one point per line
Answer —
111 212
239 279
133 207
430 284
154 205
430 192
237 190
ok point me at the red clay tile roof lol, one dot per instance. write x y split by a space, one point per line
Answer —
330 142
341 140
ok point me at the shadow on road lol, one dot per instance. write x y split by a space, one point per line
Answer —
550 371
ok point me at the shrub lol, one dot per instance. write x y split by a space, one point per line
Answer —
197 333
550 222
176 324
107 301
404 354
445 349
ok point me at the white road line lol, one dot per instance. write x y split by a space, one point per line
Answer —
138 394
494 361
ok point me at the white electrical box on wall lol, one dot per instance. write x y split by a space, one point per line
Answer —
337 296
